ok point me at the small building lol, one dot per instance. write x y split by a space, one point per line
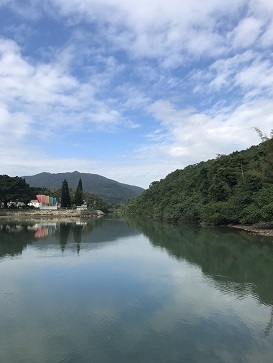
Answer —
34 203
46 202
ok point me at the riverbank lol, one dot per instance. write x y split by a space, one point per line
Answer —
65 215
70 215
263 229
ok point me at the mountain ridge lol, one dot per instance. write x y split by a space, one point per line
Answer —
109 190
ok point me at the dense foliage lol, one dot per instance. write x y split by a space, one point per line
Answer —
15 189
235 188
95 202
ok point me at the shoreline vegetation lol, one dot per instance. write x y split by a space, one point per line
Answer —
234 190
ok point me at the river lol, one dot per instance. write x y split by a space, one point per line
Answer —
125 290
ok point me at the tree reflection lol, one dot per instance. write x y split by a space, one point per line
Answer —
77 234
14 237
270 323
64 233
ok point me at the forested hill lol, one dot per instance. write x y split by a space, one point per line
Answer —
109 190
235 188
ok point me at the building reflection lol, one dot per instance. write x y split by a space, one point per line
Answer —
42 230
27 233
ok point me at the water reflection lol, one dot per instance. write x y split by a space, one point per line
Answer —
238 261
135 291
15 236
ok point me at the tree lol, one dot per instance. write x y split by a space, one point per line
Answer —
78 199
14 189
65 198
268 143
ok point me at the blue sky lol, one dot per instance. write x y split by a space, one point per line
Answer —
131 90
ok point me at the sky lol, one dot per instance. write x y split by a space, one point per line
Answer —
131 90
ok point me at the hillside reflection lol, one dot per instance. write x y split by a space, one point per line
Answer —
136 286
238 262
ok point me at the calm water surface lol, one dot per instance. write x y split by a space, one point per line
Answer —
133 291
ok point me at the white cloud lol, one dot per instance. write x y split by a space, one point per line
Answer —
249 74
167 30
154 29
246 32
267 37
48 95
38 100
208 64
258 76
195 136
263 8
222 71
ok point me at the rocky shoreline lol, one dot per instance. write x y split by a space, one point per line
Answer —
263 229
56 215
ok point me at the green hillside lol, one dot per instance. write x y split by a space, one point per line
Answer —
235 188
109 190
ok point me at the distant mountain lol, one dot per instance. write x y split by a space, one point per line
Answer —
107 189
